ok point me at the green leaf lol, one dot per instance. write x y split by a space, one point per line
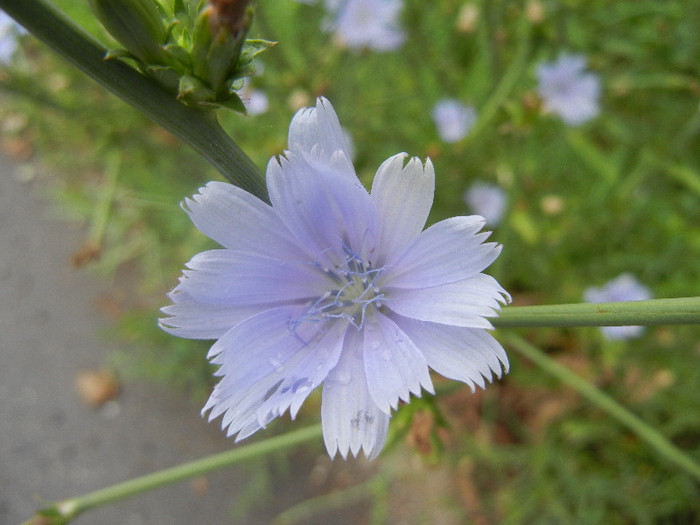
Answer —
253 47
137 25
235 103
193 90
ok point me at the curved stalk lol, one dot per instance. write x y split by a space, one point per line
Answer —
654 439
66 510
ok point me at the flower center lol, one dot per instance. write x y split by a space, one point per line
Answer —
356 291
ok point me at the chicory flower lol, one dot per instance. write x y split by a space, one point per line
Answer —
453 119
623 288
568 90
333 285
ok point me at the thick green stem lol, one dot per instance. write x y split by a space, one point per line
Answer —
198 128
658 442
682 310
64 511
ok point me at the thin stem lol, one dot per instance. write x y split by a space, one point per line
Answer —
66 510
305 511
682 310
103 206
591 155
658 442
198 128
507 83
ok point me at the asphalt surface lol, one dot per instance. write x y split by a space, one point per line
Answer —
52 445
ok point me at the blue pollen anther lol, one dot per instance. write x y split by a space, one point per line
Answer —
350 301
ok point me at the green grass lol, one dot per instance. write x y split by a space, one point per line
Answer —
628 182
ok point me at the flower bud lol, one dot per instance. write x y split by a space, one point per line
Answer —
135 24
219 34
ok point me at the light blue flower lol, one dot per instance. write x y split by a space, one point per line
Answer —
334 285
254 100
567 90
487 200
9 31
623 288
372 24
453 119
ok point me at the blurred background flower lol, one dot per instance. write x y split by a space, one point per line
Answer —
372 24
254 100
487 200
9 31
623 288
567 90
453 119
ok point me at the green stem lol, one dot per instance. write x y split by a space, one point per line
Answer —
508 81
587 151
682 310
684 175
198 128
66 510
103 206
307 510
658 442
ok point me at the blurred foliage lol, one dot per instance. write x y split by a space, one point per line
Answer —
618 194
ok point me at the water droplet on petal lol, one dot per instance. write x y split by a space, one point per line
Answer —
277 364
386 355
343 377
359 352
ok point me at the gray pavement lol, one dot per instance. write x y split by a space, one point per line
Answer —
52 446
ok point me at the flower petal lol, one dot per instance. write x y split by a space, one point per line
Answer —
463 354
237 220
448 251
316 133
261 345
195 320
402 197
228 277
464 303
394 367
351 420
256 357
330 215
306 375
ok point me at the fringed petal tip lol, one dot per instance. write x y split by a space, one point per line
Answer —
494 371
404 162
370 453
316 130
497 373
210 189
501 298
163 324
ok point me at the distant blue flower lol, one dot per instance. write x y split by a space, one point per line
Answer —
254 100
333 285
567 90
453 119
487 200
9 30
623 288
372 24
